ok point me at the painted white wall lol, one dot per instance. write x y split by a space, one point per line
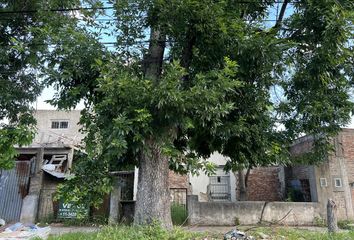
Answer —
200 182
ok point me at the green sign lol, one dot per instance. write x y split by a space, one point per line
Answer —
68 210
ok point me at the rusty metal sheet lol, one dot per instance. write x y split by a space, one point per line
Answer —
14 185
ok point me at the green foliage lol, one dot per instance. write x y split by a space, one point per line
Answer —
295 195
10 136
237 221
346 224
295 234
155 232
319 222
84 188
179 214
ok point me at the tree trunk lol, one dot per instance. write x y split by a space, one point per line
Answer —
242 186
153 196
332 216
154 59
242 183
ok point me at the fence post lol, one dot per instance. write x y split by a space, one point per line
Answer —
114 203
332 216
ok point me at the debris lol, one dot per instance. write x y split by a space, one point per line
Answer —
237 235
24 231
55 166
2 222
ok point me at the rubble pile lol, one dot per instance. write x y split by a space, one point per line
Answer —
237 235
24 231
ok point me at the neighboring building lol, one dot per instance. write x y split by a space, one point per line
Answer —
218 187
26 192
332 179
58 128
264 183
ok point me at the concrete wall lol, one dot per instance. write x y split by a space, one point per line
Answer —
200 182
225 213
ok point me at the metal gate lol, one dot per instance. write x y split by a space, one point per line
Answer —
219 188
14 185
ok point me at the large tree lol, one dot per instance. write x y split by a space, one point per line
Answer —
190 77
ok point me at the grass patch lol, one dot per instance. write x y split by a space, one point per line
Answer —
154 231
150 232
179 214
296 234
346 224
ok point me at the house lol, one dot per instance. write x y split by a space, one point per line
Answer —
263 184
26 192
217 187
331 179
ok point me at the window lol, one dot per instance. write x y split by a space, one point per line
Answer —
64 124
323 182
56 124
337 182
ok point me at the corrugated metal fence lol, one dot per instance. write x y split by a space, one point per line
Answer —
13 188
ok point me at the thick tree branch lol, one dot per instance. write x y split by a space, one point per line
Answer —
247 175
154 59
187 51
281 14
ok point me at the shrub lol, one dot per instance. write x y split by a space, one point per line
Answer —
319 222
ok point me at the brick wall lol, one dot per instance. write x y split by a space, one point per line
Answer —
346 145
178 180
264 185
302 145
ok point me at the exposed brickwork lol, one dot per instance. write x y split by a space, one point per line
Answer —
339 199
346 144
302 145
178 180
263 184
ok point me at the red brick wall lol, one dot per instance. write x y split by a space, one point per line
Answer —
302 145
346 144
178 181
264 184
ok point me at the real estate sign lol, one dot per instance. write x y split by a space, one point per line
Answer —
68 210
